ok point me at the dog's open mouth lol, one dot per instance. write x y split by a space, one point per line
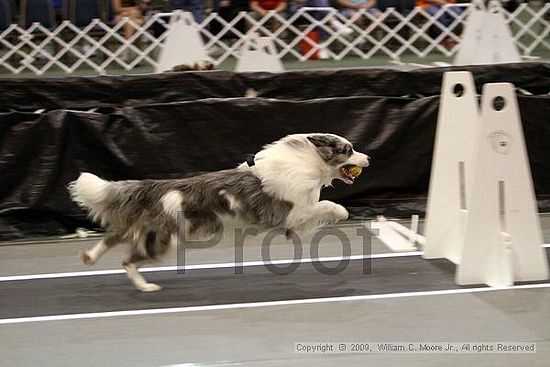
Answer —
349 173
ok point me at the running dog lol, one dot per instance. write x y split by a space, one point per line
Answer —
278 188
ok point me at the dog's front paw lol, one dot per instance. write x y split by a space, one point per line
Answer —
149 287
86 258
340 213
334 212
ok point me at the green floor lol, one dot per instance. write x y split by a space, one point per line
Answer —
290 64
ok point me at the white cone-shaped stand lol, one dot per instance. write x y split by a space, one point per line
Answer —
259 54
183 44
451 175
471 35
486 38
503 239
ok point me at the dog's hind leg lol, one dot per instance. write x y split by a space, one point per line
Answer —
91 256
131 265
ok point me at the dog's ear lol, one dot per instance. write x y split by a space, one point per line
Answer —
319 140
323 146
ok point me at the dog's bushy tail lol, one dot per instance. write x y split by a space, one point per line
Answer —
90 192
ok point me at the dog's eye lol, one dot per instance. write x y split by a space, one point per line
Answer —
348 150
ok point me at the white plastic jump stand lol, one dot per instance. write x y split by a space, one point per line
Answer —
413 235
451 175
486 38
396 236
259 54
183 44
503 239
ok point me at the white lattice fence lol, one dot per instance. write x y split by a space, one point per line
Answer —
101 47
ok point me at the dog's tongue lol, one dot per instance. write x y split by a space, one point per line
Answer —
350 173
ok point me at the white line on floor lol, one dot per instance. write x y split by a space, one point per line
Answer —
205 266
160 311
245 264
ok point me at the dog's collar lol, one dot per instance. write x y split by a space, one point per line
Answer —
250 160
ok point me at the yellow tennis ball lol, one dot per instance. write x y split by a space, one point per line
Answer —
355 171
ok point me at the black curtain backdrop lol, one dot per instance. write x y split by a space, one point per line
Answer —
177 125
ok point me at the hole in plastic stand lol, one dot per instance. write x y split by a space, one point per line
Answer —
458 90
499 103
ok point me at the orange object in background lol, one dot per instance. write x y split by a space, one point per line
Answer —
310 41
